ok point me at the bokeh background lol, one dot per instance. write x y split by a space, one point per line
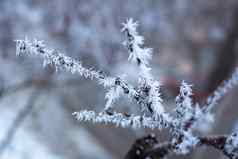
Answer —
193 40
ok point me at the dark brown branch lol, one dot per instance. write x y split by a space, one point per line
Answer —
149 147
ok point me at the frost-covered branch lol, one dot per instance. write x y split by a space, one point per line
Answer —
181 122
184 106
120 119
54 57
148 87
149 147
221 91
137 53
63 62
231 146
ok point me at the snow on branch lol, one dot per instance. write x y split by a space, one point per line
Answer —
134 42
181 122
149 147
221 91
231 146
137 53
184 105
54 57
119 119
155 99
149 87
63 62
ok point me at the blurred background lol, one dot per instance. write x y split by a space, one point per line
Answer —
195 41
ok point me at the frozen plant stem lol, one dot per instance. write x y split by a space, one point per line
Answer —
221 91
181 122
62 62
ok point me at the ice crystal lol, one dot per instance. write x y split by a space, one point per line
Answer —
114 93
134 43
54 57
187 144
155 99
221 91
119 119
231 146
184 105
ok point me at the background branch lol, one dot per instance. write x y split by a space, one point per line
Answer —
18 121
